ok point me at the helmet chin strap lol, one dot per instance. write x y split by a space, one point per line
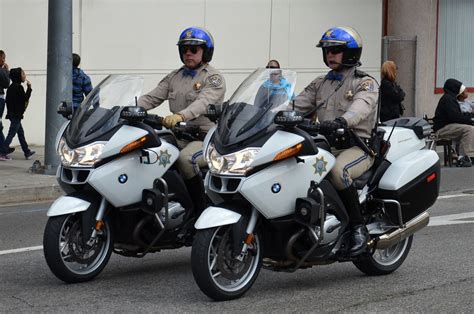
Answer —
358 64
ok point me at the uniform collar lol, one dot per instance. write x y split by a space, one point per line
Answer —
344 72
196 70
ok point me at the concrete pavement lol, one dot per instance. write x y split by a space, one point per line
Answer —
18 184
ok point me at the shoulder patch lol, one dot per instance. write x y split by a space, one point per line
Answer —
368 85
215 80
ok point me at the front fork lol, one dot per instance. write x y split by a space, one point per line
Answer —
98 223
249 231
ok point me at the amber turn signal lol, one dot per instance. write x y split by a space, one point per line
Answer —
289 152
134 145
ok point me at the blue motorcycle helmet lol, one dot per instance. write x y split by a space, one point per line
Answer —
349 41
197 36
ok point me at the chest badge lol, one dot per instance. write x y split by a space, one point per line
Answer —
164 158
320 166
349 95
197 86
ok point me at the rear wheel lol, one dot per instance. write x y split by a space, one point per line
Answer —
67 256
218 274
385 261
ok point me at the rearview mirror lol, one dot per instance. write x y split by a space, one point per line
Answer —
65 109
214 112
288 118
133 113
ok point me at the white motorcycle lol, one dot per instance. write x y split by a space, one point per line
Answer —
275 207
124 192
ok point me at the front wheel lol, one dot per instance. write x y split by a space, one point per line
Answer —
66 254
385 261
219 274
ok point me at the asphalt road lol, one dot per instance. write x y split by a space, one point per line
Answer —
437 276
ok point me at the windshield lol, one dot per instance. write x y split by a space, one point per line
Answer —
255 103
100 111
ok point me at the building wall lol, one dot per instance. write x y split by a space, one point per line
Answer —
408 18
139 37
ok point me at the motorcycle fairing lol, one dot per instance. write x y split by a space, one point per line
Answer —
273 190
126 134
277 143
106 177
67 205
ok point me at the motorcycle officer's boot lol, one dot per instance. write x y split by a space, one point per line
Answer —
195 187
360 235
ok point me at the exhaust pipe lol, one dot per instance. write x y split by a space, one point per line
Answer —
387 240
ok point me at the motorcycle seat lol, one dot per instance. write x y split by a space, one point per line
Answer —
361 181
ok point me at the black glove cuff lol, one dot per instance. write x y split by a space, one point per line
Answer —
342 122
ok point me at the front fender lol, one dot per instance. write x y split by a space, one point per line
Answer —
67 205
216 216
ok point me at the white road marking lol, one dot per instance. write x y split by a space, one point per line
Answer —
453 196
454 219
24 249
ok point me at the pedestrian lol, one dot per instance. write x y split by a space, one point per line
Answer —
17 101
452 124
345 98
81 82
189 90
4 83
391 94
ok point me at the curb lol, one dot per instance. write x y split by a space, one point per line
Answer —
26 194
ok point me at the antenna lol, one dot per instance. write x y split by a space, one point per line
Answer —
136 101
293 101
393 128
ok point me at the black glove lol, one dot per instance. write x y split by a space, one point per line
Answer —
330 126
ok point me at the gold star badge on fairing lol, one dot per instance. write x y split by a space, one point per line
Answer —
320 166
164 158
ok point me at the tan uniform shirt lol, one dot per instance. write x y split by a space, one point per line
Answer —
188 95
354 98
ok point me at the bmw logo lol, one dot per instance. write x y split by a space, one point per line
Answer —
123 178
276 188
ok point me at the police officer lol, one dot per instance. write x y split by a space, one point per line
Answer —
344 98
189 90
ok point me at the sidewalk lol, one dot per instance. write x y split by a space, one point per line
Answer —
18 185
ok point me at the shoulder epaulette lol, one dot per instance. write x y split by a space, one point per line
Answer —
358 73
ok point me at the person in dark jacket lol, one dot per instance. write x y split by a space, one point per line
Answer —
391 94
17 101
4 83
451 123
81 82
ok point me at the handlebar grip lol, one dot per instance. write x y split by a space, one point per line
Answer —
155 121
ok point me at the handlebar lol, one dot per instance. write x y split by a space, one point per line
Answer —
309 126
155 121
313 129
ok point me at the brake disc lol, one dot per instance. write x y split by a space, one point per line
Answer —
230 267
78 252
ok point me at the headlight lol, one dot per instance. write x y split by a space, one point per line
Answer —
235 163
85 156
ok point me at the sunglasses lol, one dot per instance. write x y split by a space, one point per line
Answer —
335 49
272 67
192 49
